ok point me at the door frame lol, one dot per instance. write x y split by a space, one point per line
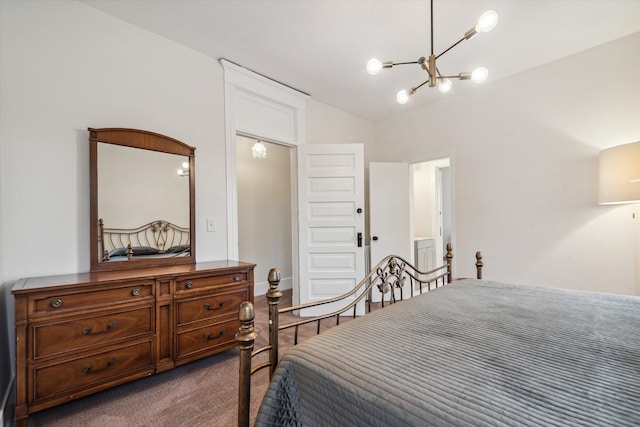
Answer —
434 157
258 107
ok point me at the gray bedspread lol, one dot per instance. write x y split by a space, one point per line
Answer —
472 353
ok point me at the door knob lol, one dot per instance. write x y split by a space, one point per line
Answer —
374 238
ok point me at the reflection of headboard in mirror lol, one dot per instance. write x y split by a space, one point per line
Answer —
139 199
157 239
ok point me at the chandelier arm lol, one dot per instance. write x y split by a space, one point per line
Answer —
440 76
405 63
451 47
420 85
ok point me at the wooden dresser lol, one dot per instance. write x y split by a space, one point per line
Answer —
82 333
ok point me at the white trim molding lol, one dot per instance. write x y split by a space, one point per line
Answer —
258 107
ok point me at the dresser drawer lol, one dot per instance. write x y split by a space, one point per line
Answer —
210 281
210 307
63 301
77 374
73 335
206 338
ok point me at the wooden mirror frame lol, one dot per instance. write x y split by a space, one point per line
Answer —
144 140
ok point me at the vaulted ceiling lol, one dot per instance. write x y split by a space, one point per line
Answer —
321 47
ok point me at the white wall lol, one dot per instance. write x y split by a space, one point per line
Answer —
525 169
328 125
65 67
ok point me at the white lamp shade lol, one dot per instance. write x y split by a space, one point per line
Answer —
620 174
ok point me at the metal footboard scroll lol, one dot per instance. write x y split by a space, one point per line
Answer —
390 277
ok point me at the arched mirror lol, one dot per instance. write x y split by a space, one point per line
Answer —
142 199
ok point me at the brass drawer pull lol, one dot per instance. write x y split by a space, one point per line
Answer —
56 302
210 308
135 292
210 337
87 330
188 285
236 277
88 369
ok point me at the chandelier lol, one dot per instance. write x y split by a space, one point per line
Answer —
259 151
486 22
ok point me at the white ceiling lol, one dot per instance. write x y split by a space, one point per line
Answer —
321 47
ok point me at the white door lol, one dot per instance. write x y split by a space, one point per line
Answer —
331 221
444 192
389 212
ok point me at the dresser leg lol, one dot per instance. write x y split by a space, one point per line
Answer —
22 421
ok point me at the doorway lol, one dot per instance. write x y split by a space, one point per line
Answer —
431 211
264 210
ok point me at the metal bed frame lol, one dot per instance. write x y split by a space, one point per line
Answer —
388 277
157 234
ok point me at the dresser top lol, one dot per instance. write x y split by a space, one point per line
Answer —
32 284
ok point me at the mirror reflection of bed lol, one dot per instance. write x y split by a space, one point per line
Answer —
157 239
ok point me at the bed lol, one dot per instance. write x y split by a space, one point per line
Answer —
471 353
156 239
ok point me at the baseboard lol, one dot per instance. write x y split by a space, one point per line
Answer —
262 287
7 408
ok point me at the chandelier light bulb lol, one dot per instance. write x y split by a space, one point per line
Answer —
402 97
487 21
479 75
444 85
374 66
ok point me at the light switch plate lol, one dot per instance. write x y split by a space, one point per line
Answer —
211 225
